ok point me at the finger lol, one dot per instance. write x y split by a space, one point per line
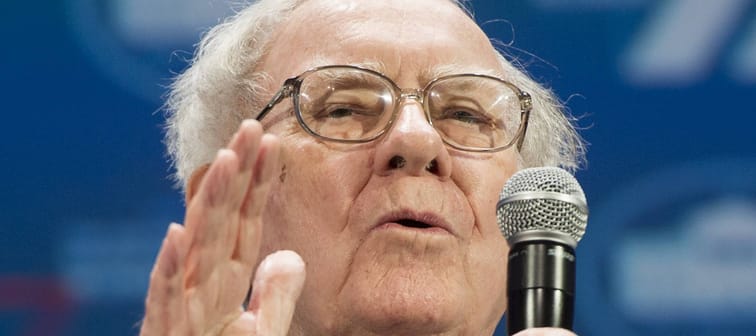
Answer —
545 332
245 144
162 306
206 211
224 188
266 166
214 213
225 184
250 230
268 162
278 282
207 219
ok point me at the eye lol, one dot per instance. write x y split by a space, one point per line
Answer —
343 111
466 117
339 112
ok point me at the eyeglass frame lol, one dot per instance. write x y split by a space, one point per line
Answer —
291 88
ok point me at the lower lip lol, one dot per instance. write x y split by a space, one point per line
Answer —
398 227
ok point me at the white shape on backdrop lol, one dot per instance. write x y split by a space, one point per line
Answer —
681 42
709 267
152 23
743 66
134 42
582 5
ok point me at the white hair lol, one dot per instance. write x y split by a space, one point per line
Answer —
220 89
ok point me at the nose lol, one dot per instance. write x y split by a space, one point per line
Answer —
412 145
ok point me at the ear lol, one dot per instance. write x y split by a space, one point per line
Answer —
195 181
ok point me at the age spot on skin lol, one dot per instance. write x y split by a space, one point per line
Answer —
282 177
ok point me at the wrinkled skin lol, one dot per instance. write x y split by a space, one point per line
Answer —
336 205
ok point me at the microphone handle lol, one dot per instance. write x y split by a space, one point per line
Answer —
540 286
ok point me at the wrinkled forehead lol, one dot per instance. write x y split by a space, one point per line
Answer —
424 74
422 39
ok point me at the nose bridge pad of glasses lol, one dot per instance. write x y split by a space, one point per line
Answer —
414 94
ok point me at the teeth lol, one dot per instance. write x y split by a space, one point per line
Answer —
413 223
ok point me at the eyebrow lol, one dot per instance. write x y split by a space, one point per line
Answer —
376 66
426 75
432 72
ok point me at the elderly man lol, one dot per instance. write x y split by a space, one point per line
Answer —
384 132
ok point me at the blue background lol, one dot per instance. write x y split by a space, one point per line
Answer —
665 91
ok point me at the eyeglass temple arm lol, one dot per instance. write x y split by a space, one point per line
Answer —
286 90
526 104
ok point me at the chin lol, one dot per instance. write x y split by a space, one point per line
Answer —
406 303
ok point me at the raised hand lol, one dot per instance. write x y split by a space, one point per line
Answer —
203 270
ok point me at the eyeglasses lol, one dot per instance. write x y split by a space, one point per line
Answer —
350 104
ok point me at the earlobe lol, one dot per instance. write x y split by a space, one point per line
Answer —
195 181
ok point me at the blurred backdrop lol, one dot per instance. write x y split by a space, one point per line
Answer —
665 91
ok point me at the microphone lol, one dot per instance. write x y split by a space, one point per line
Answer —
543 214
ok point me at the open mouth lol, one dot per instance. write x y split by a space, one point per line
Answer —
413 224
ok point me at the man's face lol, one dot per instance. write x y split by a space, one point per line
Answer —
347 209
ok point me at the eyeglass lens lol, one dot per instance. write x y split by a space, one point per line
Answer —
468 111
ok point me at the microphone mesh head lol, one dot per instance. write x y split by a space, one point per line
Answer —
542 199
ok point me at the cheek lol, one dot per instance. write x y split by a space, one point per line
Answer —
481 182
322 179
491 277
310 200
491 175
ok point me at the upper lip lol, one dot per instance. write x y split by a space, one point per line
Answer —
429 218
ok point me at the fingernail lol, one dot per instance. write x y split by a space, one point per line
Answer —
247 123
224 151
283 260
545 332
169 258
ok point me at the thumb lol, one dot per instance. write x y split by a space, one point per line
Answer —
278 282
